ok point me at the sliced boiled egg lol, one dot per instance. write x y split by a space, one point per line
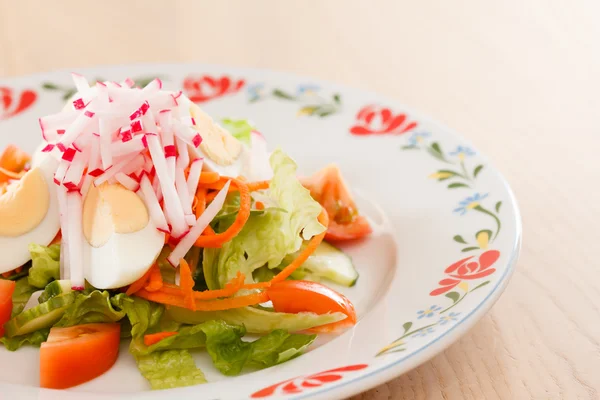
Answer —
28 214
224 154
121 241
221 151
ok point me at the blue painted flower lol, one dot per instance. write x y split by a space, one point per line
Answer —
428 312
256 91
470 203
449 317
462 152
425 332
307 90
418 138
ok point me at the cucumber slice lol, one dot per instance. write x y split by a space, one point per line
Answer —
55 288
327 262
41 316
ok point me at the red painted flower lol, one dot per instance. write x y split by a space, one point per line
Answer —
378 120
204 88
467 270
298 385
14 102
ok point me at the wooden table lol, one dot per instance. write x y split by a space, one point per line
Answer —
520 79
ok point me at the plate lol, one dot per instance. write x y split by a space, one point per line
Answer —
447 226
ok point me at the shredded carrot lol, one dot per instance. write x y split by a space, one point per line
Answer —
308 250
154 338
259 205
140 283
209 177
260 185
155 282
12 163
218 239
231 288
167 238
187 284
7 274
14 159
200 200
210 305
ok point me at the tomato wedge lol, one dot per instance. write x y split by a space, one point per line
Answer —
6 291
306 296
77 354
328 188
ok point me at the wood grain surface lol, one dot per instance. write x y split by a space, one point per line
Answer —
519 78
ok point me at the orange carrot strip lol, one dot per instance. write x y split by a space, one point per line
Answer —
231 288
156 281
167 238
14 159
303 256
259 205
259 185
154 338
7 274
210 305
139 284
218 239
187 284
209 177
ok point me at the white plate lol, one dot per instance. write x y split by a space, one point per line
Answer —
433 200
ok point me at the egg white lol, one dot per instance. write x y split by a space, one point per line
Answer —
14 251
124 259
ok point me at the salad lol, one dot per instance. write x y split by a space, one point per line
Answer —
140 218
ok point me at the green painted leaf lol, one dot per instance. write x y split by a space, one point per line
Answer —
337 99
436 148
409 147
477 170
469 249
498 204
454 296
324 113
457 185
447 171
407 326
283 95
50 86
459 239
68 94
480 285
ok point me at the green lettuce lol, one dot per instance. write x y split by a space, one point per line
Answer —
230 354
255 319
170 369
45 264
22 293
239 128
267 238
143 315
90 308
34 338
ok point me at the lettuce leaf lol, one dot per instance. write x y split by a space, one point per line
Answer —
256 320
230 354
170 369
45 264
90 308
34 338
22 293
143 315
239 128
267 238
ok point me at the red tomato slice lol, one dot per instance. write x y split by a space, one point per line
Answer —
6 291
77 354
328 188
306 296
